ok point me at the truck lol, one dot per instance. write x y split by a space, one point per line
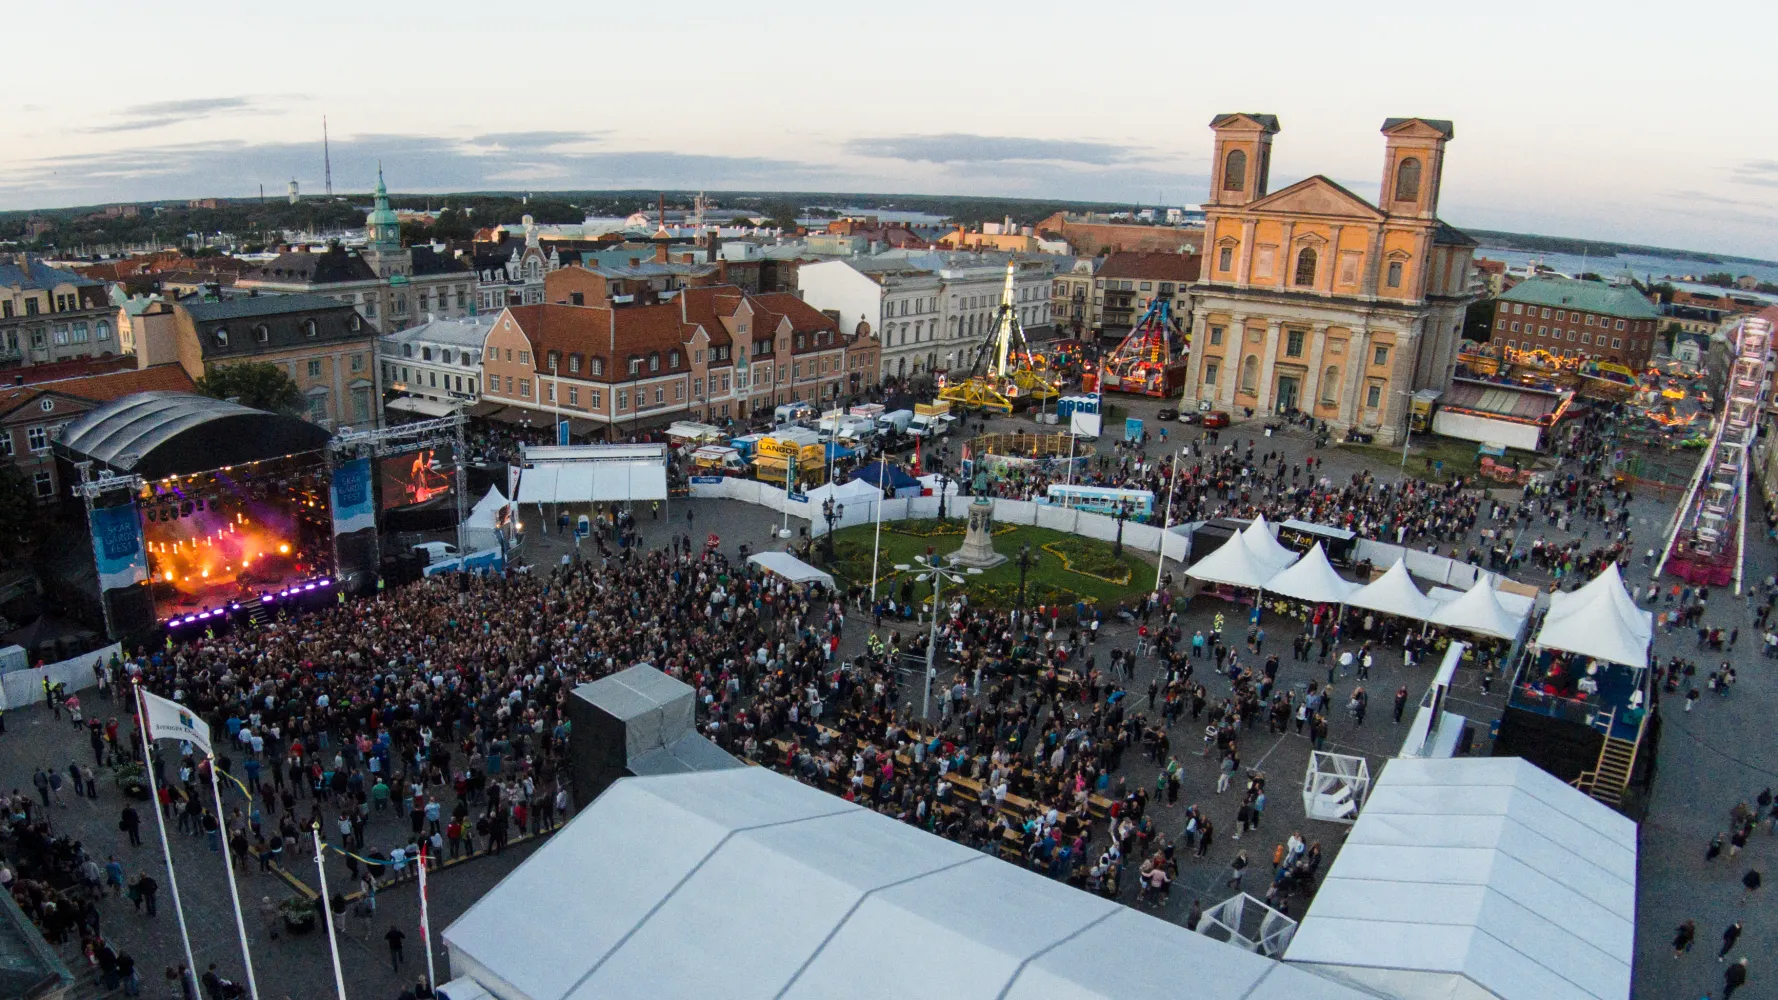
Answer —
717 460
746 444
931 420
896 419
788 414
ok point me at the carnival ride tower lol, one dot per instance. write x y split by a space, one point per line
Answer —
1000 369
1707 538
1143 362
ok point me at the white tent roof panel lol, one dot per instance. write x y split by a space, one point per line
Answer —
745 883
790 568
588 482
1233 563
1480 611
1265 546
1485 870
1394 593
1312 578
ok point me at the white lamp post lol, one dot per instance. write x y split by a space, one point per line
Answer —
931 569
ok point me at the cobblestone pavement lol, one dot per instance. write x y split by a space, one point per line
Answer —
1708 760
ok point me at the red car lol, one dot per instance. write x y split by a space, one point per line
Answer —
1216 418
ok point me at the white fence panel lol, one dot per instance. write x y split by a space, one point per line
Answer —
1462 576
745 490
20 687
1176 546
1057 518
1015 511
895 510
926 508
710 491
1143 537
1427 566
1096 526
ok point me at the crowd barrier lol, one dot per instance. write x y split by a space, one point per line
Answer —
21 687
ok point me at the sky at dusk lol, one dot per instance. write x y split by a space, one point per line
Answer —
1636 122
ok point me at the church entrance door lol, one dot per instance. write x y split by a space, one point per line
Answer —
1288 387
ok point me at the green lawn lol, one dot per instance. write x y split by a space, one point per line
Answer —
1049 580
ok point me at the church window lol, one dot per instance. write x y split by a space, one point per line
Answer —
1407 180
1225 258
1330 385
1382 356
1215 335
1249 374
1305 268
1293 343
1234 172
1210 372
1395 274
1374 397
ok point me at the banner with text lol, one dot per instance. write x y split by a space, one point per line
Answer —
354 509
117 547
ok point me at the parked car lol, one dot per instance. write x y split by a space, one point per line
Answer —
1216 418
1166 413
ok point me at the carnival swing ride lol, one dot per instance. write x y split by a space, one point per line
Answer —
1144 362
1002 371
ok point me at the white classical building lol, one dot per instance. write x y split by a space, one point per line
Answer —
928 308
440 360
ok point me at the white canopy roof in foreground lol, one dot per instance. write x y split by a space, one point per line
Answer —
747 884
1233 563
1265 546
1477 877
1480 611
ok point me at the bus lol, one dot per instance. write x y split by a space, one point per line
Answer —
1103 500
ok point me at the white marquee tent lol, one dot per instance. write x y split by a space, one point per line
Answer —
1312 578
1481 612
1265 547
790 568
1394 593
590 482
481 528
1235 564
1477 878
1599 620
747 884
850 491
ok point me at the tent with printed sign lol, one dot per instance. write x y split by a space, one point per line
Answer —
1394 593
1312 578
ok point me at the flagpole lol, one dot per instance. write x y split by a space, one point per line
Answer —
1166 518
426 917
333 941
877 544
228 862
191 964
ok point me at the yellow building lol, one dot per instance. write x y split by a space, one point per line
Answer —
1312 298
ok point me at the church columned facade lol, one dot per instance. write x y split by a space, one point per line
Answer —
1313 299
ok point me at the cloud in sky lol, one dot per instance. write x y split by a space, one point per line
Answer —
1761 172
960 147
159 114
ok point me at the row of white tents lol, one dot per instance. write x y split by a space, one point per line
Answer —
1255 560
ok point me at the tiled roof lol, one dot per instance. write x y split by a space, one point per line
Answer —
803 317
333 265
28 271
245 306
1439 124
1152 266
169 377
1587 296
1268 122
427 262
1449 235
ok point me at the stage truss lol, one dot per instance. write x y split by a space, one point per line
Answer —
417 435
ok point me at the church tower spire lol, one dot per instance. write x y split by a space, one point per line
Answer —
382 228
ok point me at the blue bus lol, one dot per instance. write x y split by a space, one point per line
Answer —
1103 500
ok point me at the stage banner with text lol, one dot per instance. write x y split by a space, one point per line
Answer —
117 547
354 509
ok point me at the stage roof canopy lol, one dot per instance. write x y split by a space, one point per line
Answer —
1599 620
747 883
1477 878
160 434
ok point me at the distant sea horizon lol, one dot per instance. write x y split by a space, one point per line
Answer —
1643 266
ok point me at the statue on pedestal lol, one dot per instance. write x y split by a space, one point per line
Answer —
978 542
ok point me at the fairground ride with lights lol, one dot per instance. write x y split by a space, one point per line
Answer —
1002 372
1145 362
1707 538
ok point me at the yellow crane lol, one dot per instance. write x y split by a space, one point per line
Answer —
1008 376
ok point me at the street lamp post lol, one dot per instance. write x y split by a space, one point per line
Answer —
1166 520
1123 514
930 568
944 480
1407 430
831 512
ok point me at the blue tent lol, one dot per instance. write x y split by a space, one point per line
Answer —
895 480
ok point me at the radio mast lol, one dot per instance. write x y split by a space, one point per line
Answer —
326 157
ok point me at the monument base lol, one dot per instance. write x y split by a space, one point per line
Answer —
978 543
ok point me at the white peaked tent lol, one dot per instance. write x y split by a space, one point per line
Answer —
1265 547
1599 620
1481 612
1312 579
790 568
480 529
1234 564
1394 593
850 491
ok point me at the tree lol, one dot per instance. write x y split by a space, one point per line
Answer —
259 384
19 517
780 215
